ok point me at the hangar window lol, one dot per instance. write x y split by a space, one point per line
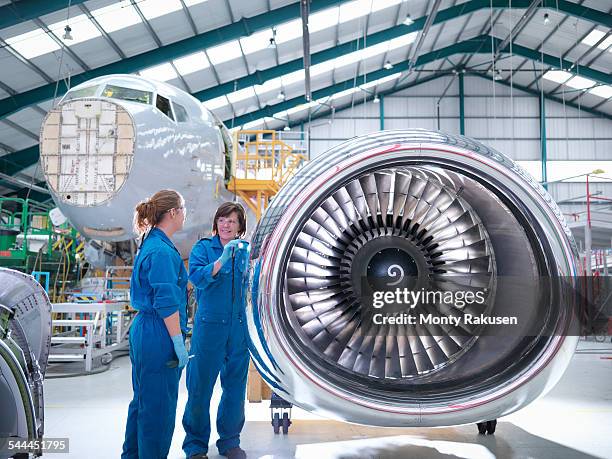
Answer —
163 105
135 95
180 113
89 91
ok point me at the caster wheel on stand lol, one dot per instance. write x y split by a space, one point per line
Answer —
286 422
276 423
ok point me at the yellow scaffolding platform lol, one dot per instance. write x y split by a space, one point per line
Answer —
262 162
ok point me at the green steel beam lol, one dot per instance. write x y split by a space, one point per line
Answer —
543 138
553 61
461 104
246 26
480 44
467 46
370 97
477 45
579 11
14 162
549 97
26 10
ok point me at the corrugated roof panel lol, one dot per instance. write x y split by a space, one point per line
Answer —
13 138
29 119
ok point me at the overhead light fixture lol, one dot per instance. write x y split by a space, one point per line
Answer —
376 100
272 43
388 65
497 75
286 128
546 18
408 21
281 95
67 35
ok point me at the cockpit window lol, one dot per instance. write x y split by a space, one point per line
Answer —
180 113
163 105
89 91
135 95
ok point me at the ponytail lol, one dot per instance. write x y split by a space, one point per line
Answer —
148 213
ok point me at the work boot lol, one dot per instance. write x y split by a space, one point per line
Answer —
199 456
235 453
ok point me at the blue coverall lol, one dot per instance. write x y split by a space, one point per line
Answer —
219 345
158 289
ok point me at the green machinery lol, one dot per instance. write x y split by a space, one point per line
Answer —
29 243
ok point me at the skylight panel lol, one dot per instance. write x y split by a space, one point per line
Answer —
302 107
322 20
293 77
378 5
253 124
224 52
152 9
116 16
256 42
82 29
33 44
558 76
323 67
592 38
579 82
402 41
215 103
604 91
191 63
382 80
289 31
344 93
193 2
241 94
268 86
355 9
162 72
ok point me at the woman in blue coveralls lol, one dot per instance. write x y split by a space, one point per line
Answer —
219 346
157 347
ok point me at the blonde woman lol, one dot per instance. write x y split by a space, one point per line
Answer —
157 347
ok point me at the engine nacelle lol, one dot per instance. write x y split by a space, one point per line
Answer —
25 339
450 214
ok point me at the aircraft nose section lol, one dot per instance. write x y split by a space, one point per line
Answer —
87 150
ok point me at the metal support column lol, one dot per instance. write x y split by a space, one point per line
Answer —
543 139
382 112
461 105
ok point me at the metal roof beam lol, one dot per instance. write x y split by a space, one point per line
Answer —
478 45
547 96
482 44
463 47
26 10
243 27
14 162
246 26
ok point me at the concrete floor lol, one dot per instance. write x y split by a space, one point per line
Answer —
572 421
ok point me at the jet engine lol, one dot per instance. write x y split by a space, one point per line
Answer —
448 213
25 338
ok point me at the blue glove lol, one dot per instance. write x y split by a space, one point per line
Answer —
229 250
180 350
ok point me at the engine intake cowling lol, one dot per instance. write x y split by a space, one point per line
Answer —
424 211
